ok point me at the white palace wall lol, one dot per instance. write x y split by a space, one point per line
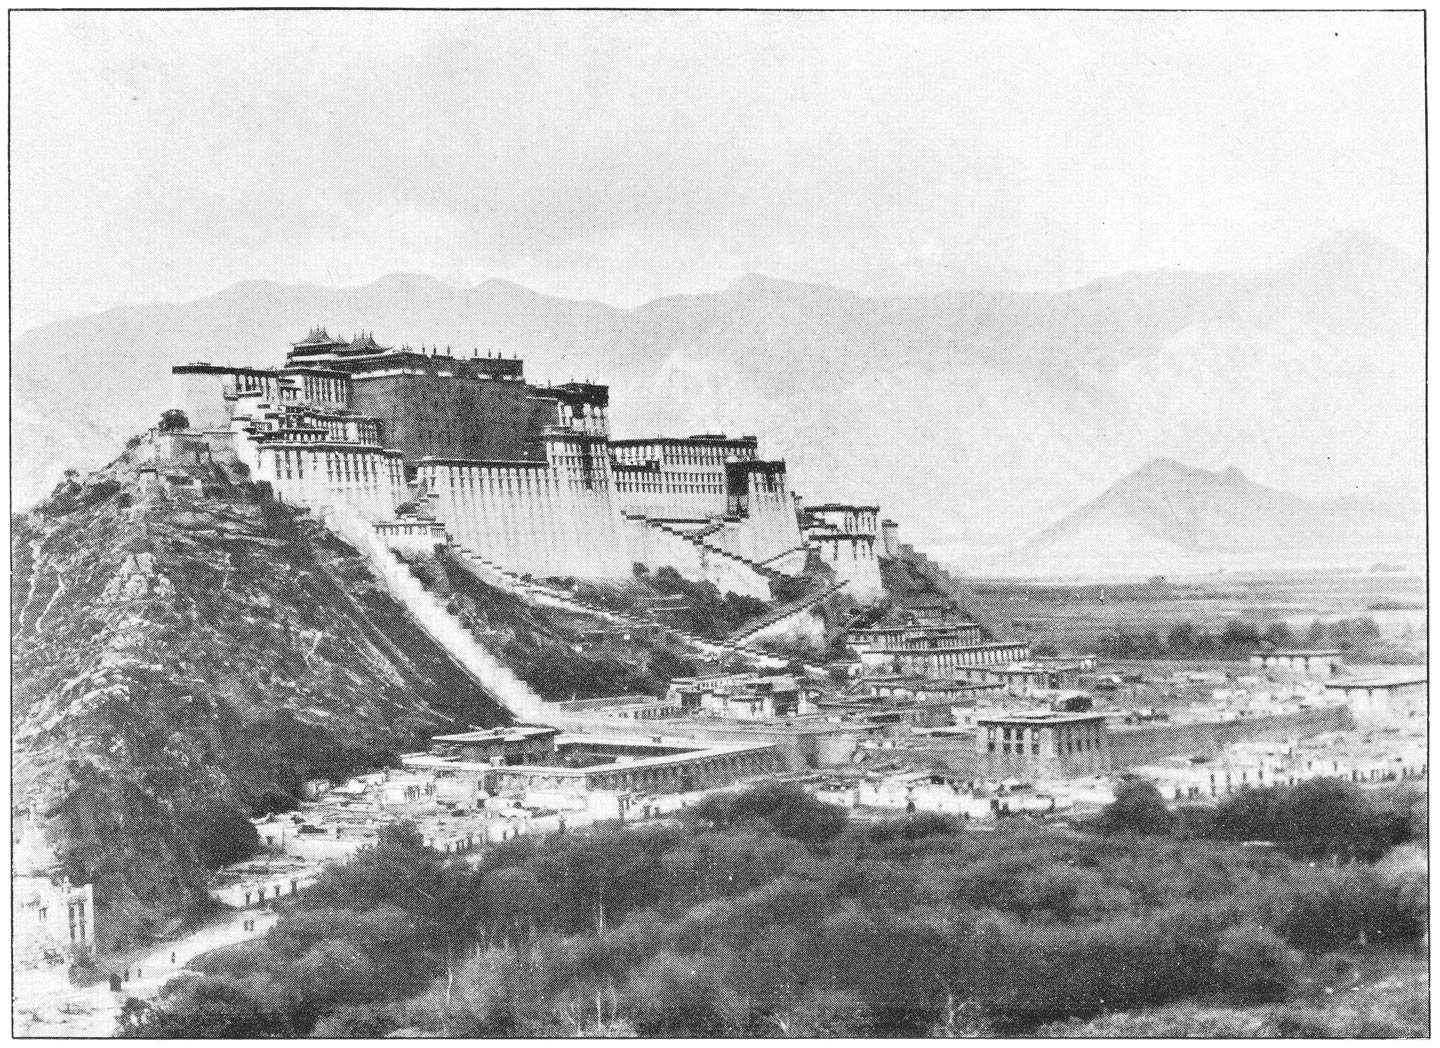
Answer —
369 480
851 557
769 528
657 547
556 516
539 518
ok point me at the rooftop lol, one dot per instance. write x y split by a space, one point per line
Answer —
701 438
1039 717
922 631
1378 681
518 733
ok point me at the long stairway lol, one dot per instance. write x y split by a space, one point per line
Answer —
784 611
696 538
489 572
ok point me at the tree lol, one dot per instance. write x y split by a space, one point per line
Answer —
221 835
1181 640
1239 639
1138 809
788 811
174 419
680 996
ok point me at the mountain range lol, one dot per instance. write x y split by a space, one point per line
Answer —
975 418
1169 518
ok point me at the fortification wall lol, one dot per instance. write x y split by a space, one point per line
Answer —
769 527
852 557
1146 745
427 609
656 548
529 517
369 481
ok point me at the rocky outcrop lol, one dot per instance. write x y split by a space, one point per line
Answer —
179 664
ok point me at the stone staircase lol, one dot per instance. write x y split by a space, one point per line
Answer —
784 611
503 578
785 553
431 613
695 538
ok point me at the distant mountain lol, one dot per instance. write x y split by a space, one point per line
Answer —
973 417
1167 517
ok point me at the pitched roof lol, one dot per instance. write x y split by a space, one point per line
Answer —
318 337
365 343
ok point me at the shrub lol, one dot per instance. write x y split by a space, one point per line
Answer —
1138 809
1252 964
99 492
787 810
1330 909
679 996
1316 819
173 420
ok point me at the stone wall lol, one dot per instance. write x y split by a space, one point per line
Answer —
542 519
851 557
446 416
1149 744
657 547
495 677
805 628
367 480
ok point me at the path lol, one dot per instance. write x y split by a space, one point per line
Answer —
92 1011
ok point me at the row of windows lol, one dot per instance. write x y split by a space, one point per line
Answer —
330 389
671 456
290 465
666 488
351 467
966 658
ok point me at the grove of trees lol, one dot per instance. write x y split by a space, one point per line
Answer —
1360 637
767 913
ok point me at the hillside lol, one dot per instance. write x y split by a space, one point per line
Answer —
975 418
178 666
1167 517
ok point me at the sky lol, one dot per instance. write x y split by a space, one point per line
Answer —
622 156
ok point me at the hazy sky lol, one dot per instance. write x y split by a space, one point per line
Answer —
624 155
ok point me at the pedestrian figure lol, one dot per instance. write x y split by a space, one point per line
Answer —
172 956
127 974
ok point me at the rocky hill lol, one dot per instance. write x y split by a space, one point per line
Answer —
1168 517
177 666
975 418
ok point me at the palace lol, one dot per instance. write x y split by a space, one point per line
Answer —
526 476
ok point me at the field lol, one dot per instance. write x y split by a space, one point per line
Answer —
1075 616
